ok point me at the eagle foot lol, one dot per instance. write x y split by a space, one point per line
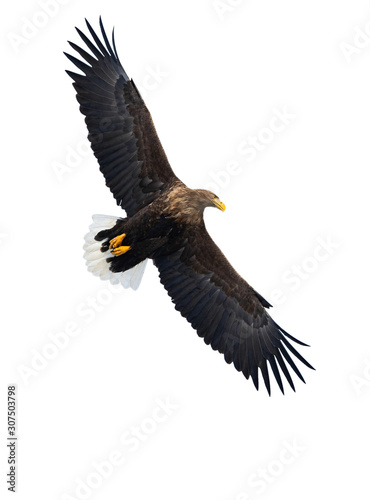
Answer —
117 251
116 242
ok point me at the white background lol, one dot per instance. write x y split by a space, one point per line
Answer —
221 72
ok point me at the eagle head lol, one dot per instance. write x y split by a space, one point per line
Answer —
208 199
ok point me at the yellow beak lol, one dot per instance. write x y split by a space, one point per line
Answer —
219 204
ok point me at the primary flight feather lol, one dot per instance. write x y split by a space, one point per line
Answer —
165 223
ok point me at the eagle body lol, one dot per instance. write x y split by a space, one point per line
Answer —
164 223
164 226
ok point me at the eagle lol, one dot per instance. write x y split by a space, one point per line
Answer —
164 222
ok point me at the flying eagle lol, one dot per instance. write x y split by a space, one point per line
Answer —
165 223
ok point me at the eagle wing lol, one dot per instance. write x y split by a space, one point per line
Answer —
121 130
225 310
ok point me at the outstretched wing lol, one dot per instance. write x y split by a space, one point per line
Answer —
121 130
225 310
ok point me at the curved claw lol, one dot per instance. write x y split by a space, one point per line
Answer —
117 251
116 242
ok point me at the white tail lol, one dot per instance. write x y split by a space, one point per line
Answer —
96 260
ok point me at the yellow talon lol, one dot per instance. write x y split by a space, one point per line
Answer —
117 251
116 242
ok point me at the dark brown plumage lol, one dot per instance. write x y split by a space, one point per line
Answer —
165 223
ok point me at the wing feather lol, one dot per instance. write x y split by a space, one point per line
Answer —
121 131
226 311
